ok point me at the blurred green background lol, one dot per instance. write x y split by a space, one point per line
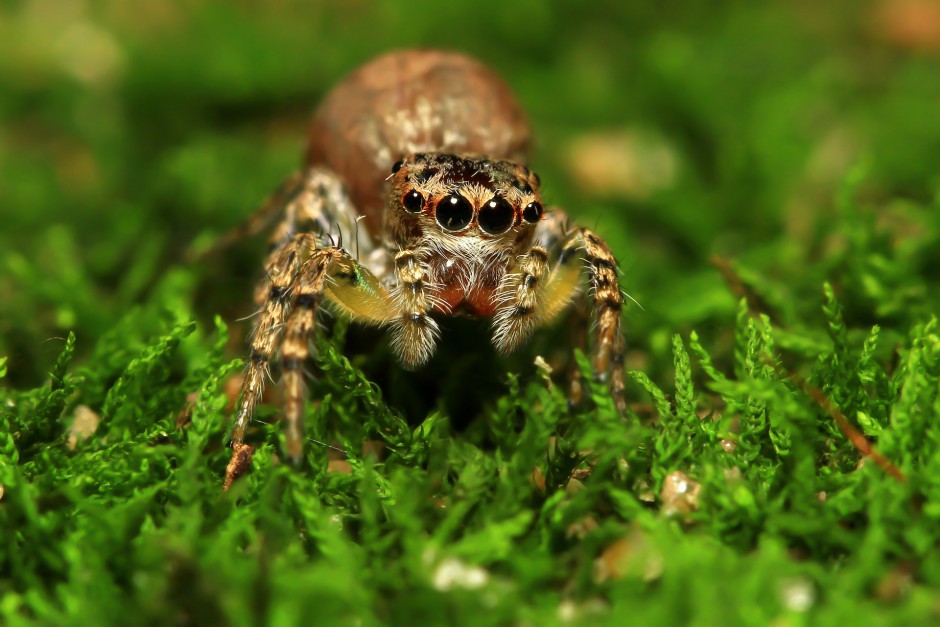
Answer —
723 148
131 130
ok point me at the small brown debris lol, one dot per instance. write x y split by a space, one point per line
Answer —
84 424
895 584
632 555
679 494
581 473
239 464
728 445
373 448
538 479
573 486
339 466
581 528
613 562
185 417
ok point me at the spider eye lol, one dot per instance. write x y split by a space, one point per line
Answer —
532 212
397 166
496 216
413 201
454 212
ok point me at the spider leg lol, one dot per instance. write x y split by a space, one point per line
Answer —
313 199
300 276
282 270
414 332
329 272
519 298
531 296
607 305
272 207
296 345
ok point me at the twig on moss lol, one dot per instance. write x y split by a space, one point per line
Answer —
856 437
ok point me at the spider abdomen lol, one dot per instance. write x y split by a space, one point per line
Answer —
408 102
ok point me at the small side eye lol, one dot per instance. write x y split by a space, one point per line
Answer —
532 212
397 166
413 201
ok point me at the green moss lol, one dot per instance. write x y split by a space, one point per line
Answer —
758 132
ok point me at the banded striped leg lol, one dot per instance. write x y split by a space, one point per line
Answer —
282 270
414 332
309 200
314 273
607 303
269 210
296 346
518 300
329 272
528 299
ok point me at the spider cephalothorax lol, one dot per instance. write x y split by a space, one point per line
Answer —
462 230
465 219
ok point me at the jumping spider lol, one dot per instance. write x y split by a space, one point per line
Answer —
420 155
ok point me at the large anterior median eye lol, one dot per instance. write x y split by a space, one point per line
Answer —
496 216
454 212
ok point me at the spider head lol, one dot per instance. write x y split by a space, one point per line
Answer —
463 195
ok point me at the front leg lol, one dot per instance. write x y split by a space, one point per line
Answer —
608 303
414 332
531 296
520 300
